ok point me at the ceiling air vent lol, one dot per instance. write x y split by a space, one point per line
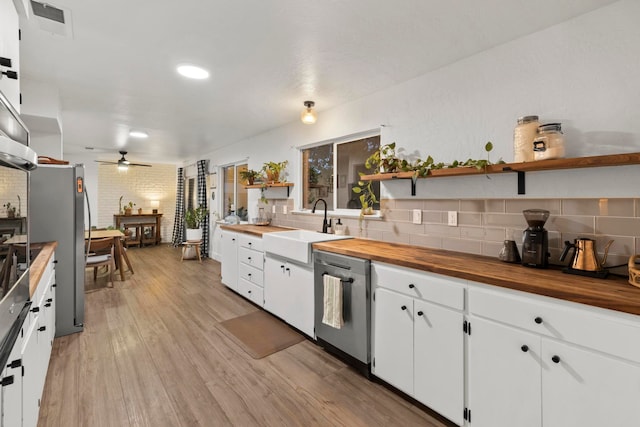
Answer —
52 19
47 11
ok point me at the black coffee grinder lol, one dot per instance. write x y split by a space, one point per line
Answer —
535 245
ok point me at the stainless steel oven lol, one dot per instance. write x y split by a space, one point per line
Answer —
16 160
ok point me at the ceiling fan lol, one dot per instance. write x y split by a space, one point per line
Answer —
122 162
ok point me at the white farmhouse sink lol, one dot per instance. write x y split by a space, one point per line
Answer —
295 244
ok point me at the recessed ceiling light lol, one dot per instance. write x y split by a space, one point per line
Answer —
138 134
193 72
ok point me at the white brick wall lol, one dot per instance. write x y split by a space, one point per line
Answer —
12 185
140 185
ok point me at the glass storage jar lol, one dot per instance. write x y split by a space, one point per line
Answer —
549 144
523 136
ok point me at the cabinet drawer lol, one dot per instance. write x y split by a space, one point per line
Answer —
251 274
250 242
591 327
432 287
251 292
251 257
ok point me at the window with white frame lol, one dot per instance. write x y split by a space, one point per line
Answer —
331 170
234 195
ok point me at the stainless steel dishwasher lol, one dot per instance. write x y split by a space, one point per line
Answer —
353 339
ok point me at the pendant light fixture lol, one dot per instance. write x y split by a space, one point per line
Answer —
308 116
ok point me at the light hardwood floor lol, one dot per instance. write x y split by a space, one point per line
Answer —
151 355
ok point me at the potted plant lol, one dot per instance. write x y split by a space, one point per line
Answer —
251 176
11 210
128 207
193 218
273 170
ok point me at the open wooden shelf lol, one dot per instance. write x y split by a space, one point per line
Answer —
519 168
262 186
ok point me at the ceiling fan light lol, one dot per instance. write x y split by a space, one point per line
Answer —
123 167
308 115
193 72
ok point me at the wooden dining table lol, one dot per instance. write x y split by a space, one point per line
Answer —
120 254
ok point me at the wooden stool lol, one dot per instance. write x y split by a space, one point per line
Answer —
191 244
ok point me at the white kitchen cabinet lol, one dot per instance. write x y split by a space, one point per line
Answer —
288 292
504 375
229 268
12 387
250 266
439 357
37 344
10 49
581 366
393 338
418 342
586 388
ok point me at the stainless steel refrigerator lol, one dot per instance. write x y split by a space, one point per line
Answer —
56 212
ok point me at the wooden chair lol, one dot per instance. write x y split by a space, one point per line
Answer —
101 254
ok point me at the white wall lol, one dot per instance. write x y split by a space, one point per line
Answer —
582 73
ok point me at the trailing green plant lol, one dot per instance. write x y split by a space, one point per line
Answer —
251 176
194 217
383 160
367 197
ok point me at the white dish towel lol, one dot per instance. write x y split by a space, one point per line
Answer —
332 313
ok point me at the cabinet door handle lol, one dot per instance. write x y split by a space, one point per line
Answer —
49 299
538 320
287 269
404 307
42 328
420 313
555 359
249 258
48 304
249 291
249 243
411 286
524 348
35 309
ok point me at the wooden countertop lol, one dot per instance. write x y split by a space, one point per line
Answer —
37 267
614 293
256 230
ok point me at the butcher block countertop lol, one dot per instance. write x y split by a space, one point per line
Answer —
256 230
614 293
39 264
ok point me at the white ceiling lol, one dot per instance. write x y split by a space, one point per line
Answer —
117 72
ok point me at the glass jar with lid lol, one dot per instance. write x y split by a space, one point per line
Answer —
549 144
523 136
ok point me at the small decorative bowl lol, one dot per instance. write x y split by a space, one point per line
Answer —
261 221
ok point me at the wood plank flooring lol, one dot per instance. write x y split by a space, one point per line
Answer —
151 355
